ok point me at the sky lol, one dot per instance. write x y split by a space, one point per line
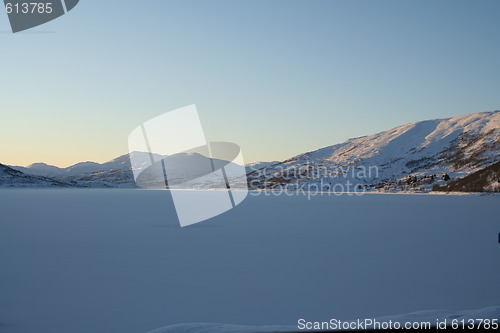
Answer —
279 78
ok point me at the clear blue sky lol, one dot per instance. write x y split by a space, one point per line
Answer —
277 77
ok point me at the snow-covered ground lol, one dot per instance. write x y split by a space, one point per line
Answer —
417 319
89 260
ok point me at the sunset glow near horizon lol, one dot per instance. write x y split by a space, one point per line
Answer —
278 78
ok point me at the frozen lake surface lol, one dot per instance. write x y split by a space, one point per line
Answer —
92 261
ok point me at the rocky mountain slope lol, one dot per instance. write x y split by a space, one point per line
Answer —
484 180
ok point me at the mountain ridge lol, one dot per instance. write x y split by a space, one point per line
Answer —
414 157
10 177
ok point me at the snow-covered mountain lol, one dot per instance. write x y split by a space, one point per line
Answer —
258 165
13 178
415 156
115 173
411 157
118 172
40 169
